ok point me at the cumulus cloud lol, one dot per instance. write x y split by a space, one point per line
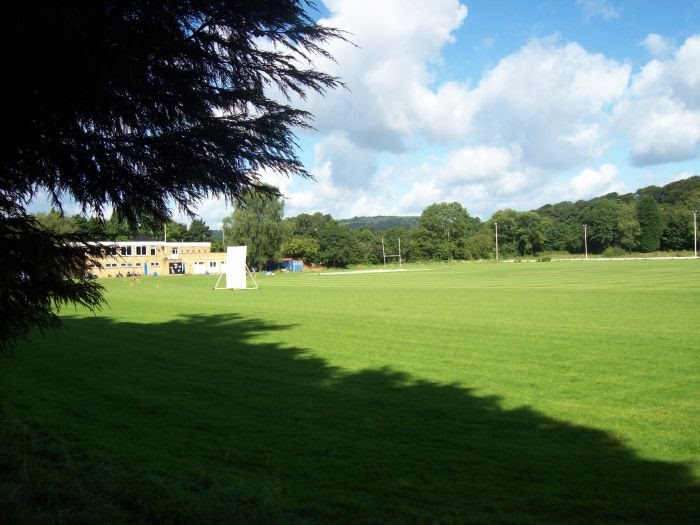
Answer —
549 97
590 183
586 184
661 110
349 165
388 74
398 139
480 177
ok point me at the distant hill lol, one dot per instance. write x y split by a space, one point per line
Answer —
380 223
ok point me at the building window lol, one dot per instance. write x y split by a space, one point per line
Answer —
153 250
111 250
212 264
174 250
140 250
155 264
126 250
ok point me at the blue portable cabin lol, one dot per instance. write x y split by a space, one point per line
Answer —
292 265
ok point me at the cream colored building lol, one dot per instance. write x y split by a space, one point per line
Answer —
159 258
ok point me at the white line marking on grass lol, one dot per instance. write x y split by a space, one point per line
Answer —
354 272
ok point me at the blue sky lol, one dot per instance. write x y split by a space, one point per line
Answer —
500 104
497 104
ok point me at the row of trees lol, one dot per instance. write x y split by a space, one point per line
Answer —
614 224
652 219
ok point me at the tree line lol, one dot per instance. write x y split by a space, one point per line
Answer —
651 219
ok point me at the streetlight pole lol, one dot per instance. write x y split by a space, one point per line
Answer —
585 239
695 232
496 225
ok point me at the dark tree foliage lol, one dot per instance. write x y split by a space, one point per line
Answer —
139 105
32 293
649 224
336 245
600 216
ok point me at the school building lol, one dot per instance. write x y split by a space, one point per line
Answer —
158 258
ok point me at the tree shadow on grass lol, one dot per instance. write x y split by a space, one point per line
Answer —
195 421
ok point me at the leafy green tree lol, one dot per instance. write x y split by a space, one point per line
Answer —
369 248
176 231
158 103
257 224
628 226
507 232
336 245
649 224
563 232
529 234
677 232
117 229
300 247
197 231
600 216
56 222
91 227
310 225
424 245
450 225
217 246
480 246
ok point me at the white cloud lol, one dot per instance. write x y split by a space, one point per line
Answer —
590 183
661 111
550 98
443 114
472 164
398 140
657 45
388 74
322 195
349 164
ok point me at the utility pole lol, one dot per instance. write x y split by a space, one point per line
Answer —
695 232
496 225
585 239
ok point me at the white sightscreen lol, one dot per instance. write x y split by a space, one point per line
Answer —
235 267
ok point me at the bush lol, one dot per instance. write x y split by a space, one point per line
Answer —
614 251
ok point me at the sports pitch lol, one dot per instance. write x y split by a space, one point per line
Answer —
563 392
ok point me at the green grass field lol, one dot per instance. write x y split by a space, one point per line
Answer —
565 392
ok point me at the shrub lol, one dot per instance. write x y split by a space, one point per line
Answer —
614 251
